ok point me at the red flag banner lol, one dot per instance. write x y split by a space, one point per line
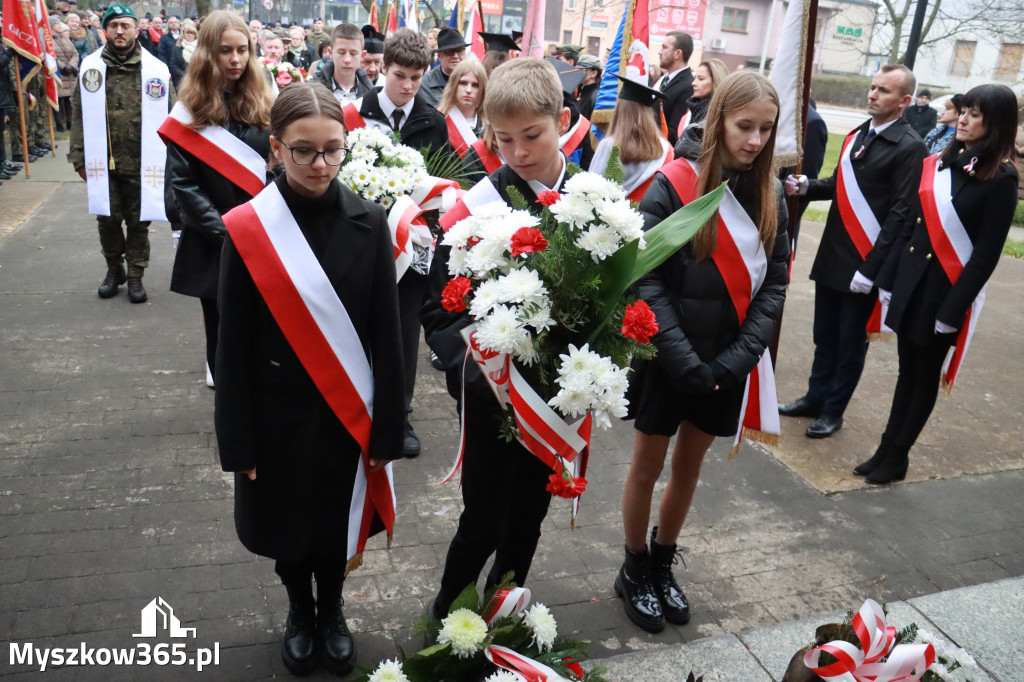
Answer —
20 30
49 54
373 17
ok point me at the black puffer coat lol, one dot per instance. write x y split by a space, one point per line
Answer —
700 341
197 196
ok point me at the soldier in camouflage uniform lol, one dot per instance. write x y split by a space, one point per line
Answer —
31 116
123 58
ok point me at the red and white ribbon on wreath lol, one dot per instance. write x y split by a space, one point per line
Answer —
542 430
863 664
406 221
506 602
524 666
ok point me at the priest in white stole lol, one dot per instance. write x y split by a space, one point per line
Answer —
123 95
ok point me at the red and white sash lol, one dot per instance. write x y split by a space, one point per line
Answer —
318 328
353 119
862 226
489 159
684 121
953 248
638 189
572 138
741 260
218 149
480 194
460 132
527 668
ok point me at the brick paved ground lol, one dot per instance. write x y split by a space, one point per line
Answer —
110 495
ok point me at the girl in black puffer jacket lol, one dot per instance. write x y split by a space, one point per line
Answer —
706 348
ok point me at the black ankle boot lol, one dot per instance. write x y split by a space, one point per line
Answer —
673 602
115 278
338 649
865 468
633 585
298 650
893 468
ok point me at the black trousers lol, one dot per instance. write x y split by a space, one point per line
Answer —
411 290
840 346
211 320
327 570
503 489
916 390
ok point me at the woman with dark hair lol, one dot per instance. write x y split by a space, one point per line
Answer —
217 147
939 137
939 265
707 75
716 300
310 405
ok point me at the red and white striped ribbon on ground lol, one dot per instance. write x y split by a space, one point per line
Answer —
529 669
505 603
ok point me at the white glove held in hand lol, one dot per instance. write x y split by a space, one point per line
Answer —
860 284
884 296
175 237
796 184
941 328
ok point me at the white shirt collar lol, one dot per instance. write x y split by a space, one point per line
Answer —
388 107
879 129
672 74
538 186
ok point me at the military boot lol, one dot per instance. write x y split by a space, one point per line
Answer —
114 279
633 585
673 601
136 292
337 648
298 650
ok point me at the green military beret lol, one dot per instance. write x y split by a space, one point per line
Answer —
574 50
116 12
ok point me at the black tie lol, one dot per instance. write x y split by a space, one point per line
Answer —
664 84
871 135
397 117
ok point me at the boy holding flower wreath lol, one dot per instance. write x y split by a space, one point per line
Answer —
503 485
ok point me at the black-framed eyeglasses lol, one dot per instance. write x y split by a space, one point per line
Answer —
304 156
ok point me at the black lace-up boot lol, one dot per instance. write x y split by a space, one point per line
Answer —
673 602
337 648
633 585
299 647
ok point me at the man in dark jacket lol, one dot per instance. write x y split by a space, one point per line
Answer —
169 40
677 83
882 168
921 117
451 49
341 73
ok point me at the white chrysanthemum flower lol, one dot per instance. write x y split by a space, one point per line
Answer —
486 296
525 352
461 232
388 671
539 317
542 625
572 401
457 263
505 676
574 210
465 631
600 241
522 286
493 209
502 331
594 187
578 362
485 257
621 217
964 658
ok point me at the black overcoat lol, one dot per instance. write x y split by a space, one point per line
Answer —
921 291
888 173
425 129
199 195
269 413
678 93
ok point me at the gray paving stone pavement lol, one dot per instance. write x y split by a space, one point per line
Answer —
111 495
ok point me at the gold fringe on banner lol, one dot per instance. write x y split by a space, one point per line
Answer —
885 337
756 436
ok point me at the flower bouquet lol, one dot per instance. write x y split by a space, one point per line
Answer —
395 176
283 73
554 327
863 647
497 640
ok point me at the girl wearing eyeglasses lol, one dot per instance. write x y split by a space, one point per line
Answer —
217 146
310 404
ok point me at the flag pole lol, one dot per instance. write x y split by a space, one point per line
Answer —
21 114
53 143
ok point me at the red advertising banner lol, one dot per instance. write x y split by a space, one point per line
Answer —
492 6
680 15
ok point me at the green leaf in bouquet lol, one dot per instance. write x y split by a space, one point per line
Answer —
469 598
517 199
614 170
445 163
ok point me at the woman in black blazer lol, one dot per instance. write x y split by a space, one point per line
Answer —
224 87
927 308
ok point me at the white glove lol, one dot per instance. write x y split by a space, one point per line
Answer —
175 237
861 284
941 328
884 296
796 184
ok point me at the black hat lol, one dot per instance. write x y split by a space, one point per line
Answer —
499 42
569 75
450 39
638 92
925 93
373 41
517 35
317 19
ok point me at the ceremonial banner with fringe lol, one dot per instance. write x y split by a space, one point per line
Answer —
787 75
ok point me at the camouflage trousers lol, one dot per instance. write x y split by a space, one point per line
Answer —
37 125
132 243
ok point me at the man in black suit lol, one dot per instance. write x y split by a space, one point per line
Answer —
677 83
882 161
169 40
398 107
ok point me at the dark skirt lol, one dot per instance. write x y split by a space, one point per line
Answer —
659 407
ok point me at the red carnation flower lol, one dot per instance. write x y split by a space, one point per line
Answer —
639 322
453 296
566 486
548 198
528 240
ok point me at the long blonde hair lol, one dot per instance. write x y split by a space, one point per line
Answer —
636 134
203 83
451 90
735 92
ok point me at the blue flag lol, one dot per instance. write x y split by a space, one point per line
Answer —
609 90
